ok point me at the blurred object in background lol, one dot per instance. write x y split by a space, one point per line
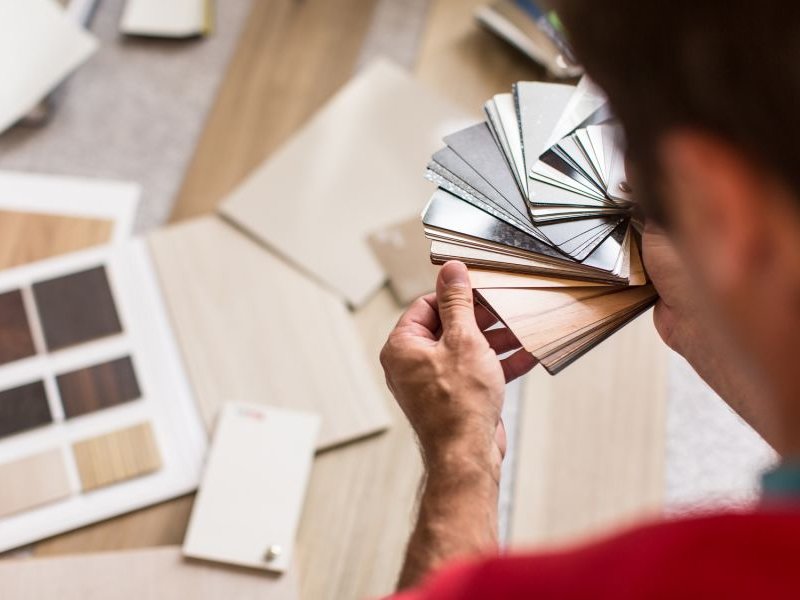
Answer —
171 19
81 12
535 30
39 46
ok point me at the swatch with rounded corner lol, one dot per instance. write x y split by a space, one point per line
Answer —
23 407
16 341
76 308
117 456
101 386
33 481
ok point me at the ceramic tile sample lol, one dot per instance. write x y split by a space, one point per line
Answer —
149 574
356 167
251 326
16 340
257 470
23 407
93 388
39 46
32 481
76 308
116 456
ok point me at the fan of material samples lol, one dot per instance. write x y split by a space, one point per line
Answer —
535 201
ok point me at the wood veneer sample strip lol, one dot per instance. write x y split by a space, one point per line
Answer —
117 456
250 326
16 341
76 308
483 279
23 407
97 387
148 574
28 237
33 481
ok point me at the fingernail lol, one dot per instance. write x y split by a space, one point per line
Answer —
454 274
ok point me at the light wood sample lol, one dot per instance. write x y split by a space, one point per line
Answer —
404 254
350 171
116 456
28 237
33 481
149 574
591 442
253 329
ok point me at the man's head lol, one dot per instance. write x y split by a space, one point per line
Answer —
709 94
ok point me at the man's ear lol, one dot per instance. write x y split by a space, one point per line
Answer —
718 202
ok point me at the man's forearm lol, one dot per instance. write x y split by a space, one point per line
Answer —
457 515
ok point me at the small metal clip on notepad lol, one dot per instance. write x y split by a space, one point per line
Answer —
81 11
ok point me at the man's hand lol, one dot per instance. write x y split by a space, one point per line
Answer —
686 325
443 369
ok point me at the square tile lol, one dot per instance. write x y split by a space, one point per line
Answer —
101 386
32 481
23 407
117 456
76 308
16 341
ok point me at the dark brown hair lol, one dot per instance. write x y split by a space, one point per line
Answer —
726 67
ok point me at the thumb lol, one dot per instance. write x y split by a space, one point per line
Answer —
454 297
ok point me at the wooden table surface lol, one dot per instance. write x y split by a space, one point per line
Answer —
291 58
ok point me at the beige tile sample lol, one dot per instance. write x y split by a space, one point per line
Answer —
116 456
357 166
149 574
32 481
404 253
251 326
250 500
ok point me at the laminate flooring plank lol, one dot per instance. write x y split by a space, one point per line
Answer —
291 58
465 62
591 443
16 338
99 386
23 407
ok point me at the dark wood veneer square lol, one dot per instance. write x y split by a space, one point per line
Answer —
76 308
23 408
16 341
98 387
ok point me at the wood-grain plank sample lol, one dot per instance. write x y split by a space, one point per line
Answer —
117 456
16 341
97 387
253 329
33 481
28 237
76 308
23 407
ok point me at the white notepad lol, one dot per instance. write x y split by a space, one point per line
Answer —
251 497
39 46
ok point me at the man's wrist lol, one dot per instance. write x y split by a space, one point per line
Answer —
468 457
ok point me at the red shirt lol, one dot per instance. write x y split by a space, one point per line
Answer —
746 555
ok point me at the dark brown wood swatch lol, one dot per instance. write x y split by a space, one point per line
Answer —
16 341
98 387
23 408
76 308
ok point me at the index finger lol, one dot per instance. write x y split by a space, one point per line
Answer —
421 317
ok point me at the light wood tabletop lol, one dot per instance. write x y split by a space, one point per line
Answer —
292 56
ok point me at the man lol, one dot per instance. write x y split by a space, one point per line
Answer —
709 95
